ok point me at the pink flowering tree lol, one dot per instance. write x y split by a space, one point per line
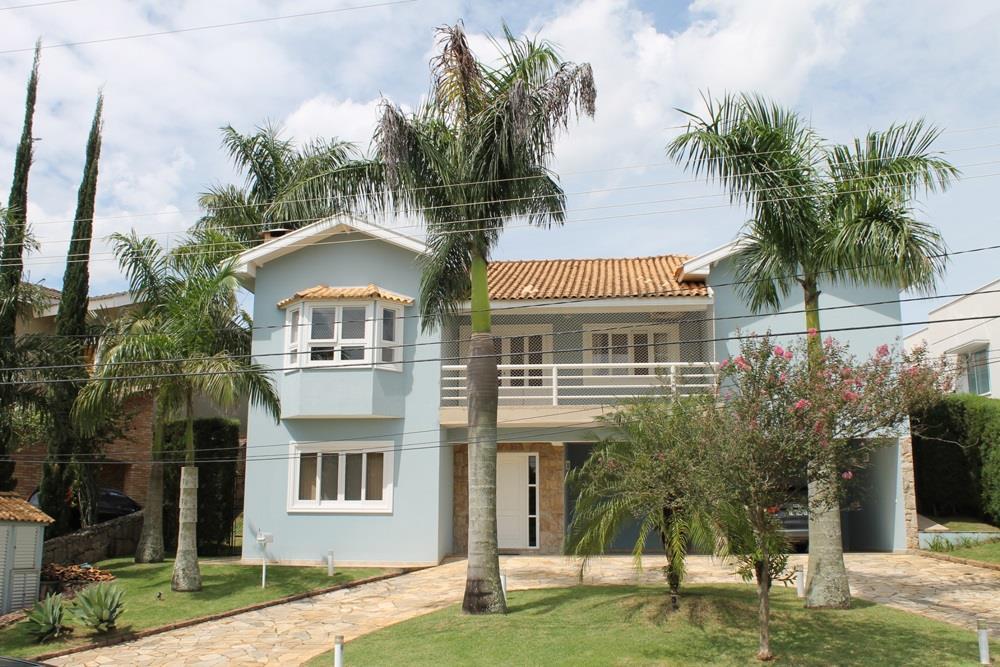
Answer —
791 414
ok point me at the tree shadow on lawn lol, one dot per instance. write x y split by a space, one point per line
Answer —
719 623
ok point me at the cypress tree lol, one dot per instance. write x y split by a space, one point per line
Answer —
69 453
11 271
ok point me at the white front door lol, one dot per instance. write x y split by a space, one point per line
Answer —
517 495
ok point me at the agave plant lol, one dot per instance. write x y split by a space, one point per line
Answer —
99 607
46 619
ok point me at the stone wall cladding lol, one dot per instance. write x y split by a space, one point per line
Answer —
110 539
551 496
132 450
909 493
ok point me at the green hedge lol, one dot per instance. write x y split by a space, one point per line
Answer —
216 442
956 457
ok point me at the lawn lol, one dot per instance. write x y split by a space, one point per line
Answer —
964 524
617 625
987 551
225 587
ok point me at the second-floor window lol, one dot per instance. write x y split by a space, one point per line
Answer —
977 371
344 334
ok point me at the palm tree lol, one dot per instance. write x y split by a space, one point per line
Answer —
472 158
187 338
643 475
284 185
819 212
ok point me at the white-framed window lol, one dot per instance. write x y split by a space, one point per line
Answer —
977 371
344 334
389 325
341 477
634 349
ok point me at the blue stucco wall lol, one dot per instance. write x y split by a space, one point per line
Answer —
402 410
880 526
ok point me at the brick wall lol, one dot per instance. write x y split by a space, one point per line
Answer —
134 447
551 499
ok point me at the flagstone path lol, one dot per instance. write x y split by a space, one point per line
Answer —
291 633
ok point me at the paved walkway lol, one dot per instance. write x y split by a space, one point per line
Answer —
292 633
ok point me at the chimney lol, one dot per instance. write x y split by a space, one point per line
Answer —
273 233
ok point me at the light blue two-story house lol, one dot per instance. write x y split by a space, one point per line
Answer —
368 459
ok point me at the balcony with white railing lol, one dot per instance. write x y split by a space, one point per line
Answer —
581 384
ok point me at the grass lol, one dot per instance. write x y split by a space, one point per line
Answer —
618 625
225 587
988 552
964 524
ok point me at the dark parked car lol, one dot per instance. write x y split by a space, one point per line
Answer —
111 504
794 519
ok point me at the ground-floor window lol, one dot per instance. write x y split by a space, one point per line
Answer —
341 477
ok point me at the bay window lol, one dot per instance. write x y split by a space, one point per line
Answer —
346 477
343 334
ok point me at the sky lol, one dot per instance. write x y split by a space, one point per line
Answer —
847 65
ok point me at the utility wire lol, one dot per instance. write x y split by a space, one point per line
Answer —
215 26
453 341
598 299
421 225
626 216
392 192
460 358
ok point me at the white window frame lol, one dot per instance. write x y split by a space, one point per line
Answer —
298 348
341 506
970 372
672 329
384 344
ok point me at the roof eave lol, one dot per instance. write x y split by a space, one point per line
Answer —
247 262
698 268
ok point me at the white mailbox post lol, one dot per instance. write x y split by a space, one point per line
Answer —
263 539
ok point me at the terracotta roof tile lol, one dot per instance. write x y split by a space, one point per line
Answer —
322 292
590 278
14 508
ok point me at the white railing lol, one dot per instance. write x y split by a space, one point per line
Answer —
582 384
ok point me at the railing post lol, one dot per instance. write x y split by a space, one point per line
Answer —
555 385
674 375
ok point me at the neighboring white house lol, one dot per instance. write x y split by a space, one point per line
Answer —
966 341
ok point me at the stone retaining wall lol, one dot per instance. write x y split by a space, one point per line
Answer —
117 537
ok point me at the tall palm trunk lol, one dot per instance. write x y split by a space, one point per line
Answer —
150 547
826 582
187 575
482 585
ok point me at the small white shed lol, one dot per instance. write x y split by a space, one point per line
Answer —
22 532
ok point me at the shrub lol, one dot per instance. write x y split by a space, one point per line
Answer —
956 452
216 443
46 619
100 606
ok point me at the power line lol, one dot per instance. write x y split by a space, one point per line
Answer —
386 192
214 26
560 302
443 342
153 376
494 201
625 216
37 4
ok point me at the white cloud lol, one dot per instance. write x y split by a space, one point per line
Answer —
326 116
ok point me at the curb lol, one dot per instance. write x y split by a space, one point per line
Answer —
149 632
961 561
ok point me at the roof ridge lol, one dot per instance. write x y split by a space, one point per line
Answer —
591 259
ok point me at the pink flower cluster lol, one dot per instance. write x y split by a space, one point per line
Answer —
801 404
782 353
741 363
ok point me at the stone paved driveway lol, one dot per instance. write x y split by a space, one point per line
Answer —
292 633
